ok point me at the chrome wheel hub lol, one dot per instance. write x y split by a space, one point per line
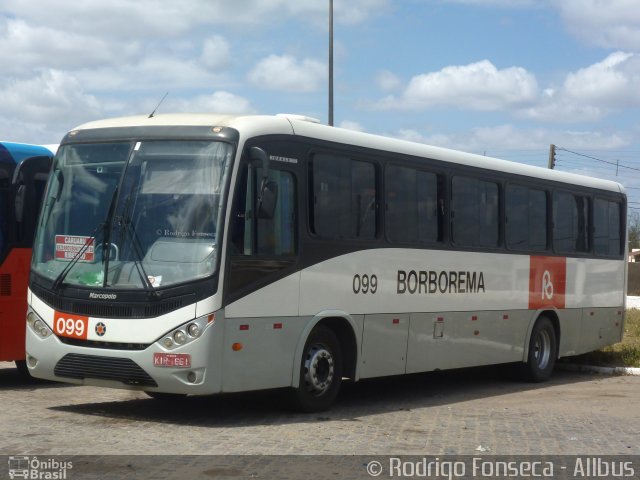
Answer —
319 370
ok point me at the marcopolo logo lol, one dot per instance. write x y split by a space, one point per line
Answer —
38 469
102 296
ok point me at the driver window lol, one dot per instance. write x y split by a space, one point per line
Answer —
274 236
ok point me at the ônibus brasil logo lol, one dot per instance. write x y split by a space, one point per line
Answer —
34 468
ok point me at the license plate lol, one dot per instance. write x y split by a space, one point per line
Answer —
179 360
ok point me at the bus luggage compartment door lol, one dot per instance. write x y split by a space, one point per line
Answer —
384 345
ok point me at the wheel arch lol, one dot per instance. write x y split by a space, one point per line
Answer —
345 327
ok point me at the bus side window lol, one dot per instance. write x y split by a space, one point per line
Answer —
415 205
571 223
343 197
475 212
273 236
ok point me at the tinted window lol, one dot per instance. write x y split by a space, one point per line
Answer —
273 236
4 208
606 227
343 197
412 213
570 223
526 218
475 212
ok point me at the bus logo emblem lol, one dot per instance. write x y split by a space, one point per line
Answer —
547 286
547 282
101 329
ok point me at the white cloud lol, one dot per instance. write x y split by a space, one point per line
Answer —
150 73
586 95
52 96
130 19
23 46
477 86
592 92
351 125
216 53
606 23
614 81
503 141
217 102
387 81
286 73
497 3
48 104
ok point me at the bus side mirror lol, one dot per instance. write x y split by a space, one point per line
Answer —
19 202
267 199
268 195
259 155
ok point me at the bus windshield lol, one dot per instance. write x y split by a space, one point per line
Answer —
131 215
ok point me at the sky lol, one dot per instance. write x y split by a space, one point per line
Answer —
503 78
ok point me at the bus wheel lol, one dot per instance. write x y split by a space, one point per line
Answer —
543 351
320 371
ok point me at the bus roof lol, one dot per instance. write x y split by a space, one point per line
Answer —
253 125
14 153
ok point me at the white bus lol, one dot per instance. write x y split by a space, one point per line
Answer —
199 254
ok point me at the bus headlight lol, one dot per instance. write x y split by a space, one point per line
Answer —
179 337
193 330
38 325
186 333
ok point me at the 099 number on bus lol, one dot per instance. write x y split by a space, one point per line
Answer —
365 283
72 327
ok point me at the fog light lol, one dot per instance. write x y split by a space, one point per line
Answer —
32 361
168 342
193 330
191 376
179 337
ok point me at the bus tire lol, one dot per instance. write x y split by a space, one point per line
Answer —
320 371
543 351
23 370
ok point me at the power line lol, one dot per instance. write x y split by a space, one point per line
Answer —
616 164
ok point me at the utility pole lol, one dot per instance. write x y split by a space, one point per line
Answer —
552 156
331 63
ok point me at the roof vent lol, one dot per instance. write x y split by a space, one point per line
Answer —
302 118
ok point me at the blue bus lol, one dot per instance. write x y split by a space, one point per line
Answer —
24 170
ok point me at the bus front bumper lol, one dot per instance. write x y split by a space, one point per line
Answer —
190 369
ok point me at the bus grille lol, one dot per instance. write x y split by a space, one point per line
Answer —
122 370
112 309
97 344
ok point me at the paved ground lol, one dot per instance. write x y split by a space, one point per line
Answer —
463 412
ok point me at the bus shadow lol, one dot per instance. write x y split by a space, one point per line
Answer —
12 379
356 400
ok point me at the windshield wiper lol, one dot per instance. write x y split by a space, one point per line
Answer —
126 225
91 239
136 247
